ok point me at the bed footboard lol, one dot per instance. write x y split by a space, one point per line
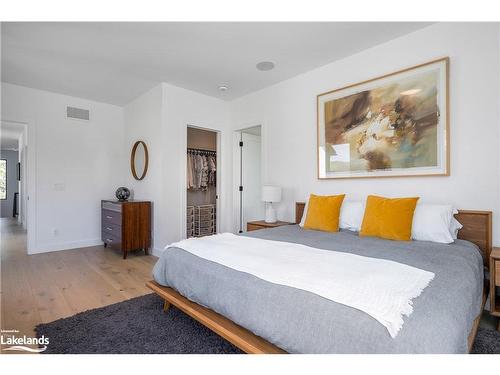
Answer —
235 334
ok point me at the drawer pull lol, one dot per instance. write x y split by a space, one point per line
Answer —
109 217
109 228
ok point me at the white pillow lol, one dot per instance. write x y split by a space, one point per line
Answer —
433 222
455 226
351 215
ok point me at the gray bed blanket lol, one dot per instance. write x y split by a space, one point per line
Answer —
302 322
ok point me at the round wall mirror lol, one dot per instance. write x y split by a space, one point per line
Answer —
139 160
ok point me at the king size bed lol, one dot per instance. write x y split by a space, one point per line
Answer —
259 316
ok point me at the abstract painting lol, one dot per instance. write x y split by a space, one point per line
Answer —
394 125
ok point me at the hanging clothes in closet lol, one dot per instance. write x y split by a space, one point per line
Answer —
212 163
201 169
201 183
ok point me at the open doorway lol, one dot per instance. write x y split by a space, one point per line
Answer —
201 182
13 184
248 161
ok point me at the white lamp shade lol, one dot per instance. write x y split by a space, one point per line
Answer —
271 193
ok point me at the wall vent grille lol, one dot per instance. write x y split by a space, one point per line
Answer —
77 113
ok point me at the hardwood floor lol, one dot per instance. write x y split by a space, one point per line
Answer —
44 287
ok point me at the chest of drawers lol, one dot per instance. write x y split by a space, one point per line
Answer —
126 226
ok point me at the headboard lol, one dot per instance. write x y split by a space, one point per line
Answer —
477 227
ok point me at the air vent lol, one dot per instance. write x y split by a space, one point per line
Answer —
77 113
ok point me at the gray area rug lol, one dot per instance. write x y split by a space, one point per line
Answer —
487 342
139 325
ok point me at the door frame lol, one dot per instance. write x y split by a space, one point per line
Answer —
218 185
29 135
236 166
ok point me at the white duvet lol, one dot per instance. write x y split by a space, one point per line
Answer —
381 288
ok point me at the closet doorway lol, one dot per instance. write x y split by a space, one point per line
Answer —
249 175
201 182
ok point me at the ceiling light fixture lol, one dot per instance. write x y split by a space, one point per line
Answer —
223 88
264 66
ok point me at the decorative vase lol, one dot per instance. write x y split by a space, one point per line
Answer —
122 194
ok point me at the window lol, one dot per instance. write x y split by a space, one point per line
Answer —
3 179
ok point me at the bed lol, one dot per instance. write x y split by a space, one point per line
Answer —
261 317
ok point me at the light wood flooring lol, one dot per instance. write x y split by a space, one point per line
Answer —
44 287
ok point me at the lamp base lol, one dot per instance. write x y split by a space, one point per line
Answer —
270 214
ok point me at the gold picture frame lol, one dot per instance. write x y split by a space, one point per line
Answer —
395 125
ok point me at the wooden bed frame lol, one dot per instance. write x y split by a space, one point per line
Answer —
477 228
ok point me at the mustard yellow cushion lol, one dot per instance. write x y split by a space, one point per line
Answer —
388 218
323 212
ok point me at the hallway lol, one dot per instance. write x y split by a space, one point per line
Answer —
13 237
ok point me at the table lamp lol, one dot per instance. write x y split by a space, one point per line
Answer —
270 195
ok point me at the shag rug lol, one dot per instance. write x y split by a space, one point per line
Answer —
140 326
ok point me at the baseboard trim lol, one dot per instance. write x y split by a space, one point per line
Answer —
61 246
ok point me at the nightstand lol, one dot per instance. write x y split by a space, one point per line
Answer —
495 281
261 224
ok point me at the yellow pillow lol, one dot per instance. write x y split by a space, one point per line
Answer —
323 212
388 218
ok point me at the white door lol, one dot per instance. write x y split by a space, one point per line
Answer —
252 205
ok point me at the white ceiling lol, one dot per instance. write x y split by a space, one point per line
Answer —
116 62
9 136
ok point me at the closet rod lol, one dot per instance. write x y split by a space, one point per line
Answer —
201 150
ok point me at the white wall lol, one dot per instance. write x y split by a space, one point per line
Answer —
288 111
160 117
72 165
143 121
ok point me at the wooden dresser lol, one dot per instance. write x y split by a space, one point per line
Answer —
126 226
